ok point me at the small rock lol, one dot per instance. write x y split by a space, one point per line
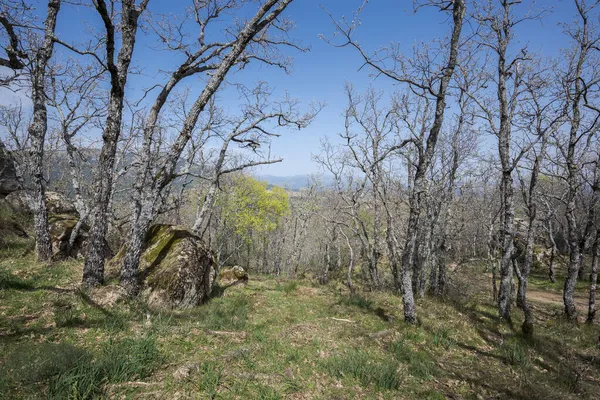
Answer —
185 371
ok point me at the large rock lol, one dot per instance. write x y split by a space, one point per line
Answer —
8 174
61 227
56 203
228 276
175 267
10 228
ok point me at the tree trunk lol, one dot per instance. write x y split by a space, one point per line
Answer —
594 279
574 261
506 268
93 269
327 260
425 157
79 201
573 174
441 276
201 222
551 270
37 133
350 262
135 247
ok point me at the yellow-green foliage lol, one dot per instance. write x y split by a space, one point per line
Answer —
251 207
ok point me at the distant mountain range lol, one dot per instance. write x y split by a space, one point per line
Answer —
291 182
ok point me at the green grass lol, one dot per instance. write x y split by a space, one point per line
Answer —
443 338
357 300
71 372
211 377
516 353
288 287
275 339
225 314
418 362
369 370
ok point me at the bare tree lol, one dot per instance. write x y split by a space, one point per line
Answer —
116 63
34 62
591 315
542 114
420 75
152 186
580 75
78 102
498 35
14 18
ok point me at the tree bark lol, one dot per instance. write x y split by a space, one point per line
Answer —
551 270
37 133
93 269
350 261
425 156
594 279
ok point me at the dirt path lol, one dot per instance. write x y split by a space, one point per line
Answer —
555 298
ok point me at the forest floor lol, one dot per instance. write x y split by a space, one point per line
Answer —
276 338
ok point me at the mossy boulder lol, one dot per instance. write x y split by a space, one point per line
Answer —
231 275
175 267
61 227
9 229
17 202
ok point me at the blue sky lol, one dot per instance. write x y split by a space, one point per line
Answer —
320 74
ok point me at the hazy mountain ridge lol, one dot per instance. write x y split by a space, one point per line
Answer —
293 182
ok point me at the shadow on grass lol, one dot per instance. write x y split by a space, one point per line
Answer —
9 281
568 367
358 300
67 371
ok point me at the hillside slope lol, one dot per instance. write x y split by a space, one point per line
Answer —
281 339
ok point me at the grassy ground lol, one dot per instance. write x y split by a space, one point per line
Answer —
276 339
